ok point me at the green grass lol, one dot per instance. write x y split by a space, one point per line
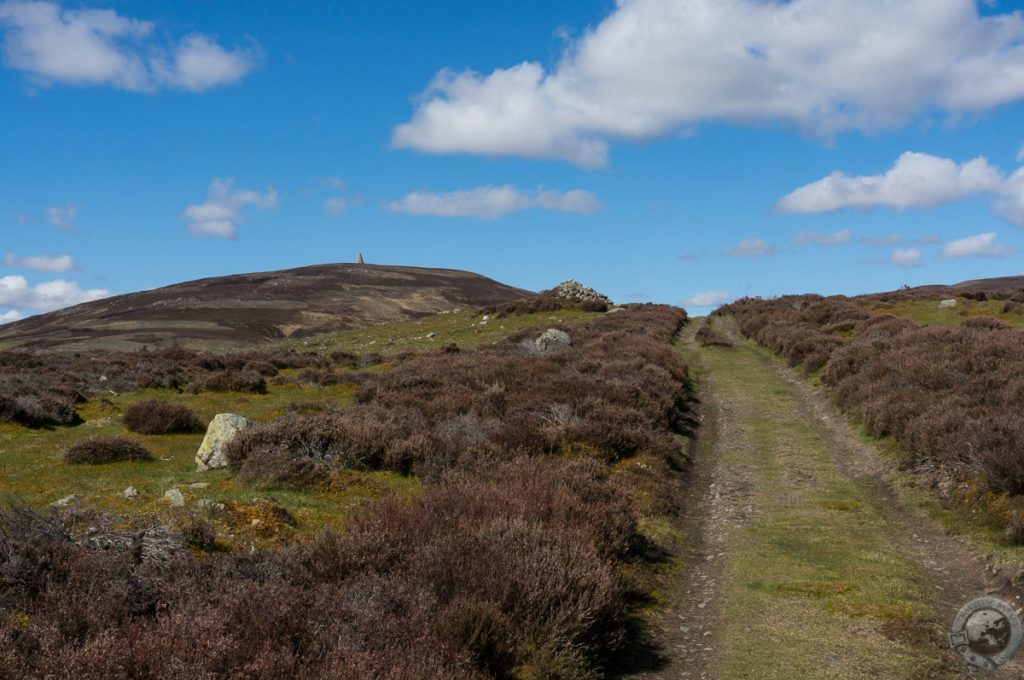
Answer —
465 328
33 472
928 311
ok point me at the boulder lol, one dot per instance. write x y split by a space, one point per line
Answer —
553 340
947 304
222 429
129 493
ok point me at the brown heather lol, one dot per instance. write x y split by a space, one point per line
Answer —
950 396
516 558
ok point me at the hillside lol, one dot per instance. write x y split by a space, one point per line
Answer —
246 309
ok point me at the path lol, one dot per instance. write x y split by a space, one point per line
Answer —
802 562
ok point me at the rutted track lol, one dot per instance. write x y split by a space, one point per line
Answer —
802 561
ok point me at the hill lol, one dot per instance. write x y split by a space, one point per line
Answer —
247 309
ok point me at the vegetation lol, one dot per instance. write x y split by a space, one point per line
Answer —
156 416
949 396
97 450
516 550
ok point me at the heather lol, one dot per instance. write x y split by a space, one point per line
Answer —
950 396
520 553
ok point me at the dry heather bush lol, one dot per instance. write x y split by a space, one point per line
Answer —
156 416
949 395
104 449
230 380
485 574
709 337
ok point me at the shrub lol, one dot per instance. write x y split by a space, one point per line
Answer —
155 416
101 449
230 380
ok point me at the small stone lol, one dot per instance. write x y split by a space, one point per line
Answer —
431 335
129 493
175 498
198 485
947 304
63 502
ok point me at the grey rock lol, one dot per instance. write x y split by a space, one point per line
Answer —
160 544
64 502
222 430
947 304
175 498
198 485
129 493
552 340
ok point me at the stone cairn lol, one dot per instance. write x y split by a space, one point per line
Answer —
574 290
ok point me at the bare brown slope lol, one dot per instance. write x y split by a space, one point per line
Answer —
246 309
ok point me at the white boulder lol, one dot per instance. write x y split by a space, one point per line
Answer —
223 428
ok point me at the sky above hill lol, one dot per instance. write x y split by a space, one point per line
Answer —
680 151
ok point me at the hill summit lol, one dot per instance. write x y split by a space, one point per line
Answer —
247 309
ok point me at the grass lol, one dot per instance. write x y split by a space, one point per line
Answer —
33 472
465 328
928 311
814 587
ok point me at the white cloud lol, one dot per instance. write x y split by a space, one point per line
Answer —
100 47
819 239
11 315
927 240
917 180
710 298
1020 154
335 206
15 291
41 263
982 245
220 215
63 217
911 257
751 247
492 202
657 66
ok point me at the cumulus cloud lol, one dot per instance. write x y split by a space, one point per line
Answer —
492 202
709 298
751 247
15 291
911 257
221 214
916 180
41 263
653 67
63 216
982 245
11 315
817 238
100 47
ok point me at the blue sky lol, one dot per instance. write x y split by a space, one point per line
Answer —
679 151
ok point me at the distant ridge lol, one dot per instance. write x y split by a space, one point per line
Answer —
247 309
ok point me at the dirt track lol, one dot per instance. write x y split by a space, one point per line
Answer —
802 560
